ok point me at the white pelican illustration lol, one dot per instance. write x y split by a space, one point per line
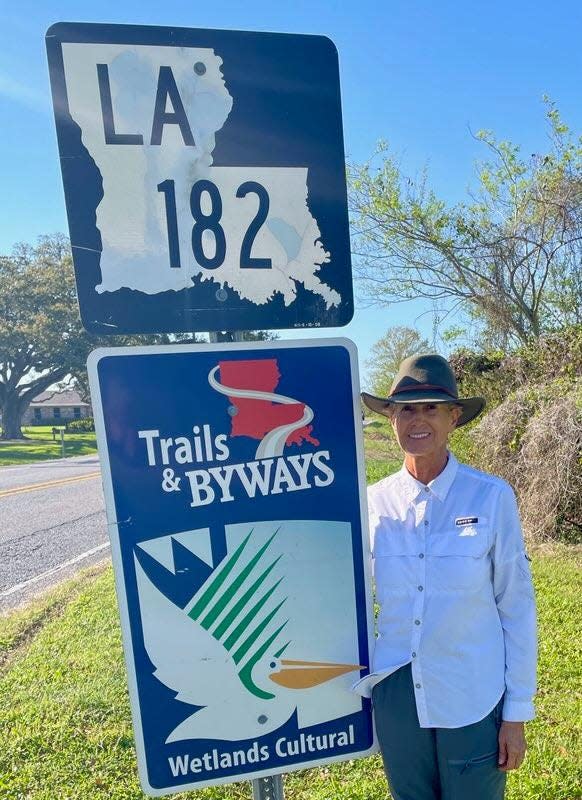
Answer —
224 651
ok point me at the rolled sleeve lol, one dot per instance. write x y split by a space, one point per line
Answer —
514 596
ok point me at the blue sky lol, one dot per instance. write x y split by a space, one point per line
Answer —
419 74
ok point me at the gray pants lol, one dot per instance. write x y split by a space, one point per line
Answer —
434 763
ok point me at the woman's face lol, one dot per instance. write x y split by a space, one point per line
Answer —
422 429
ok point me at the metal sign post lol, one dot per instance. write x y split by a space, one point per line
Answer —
225 336
204 178
269 788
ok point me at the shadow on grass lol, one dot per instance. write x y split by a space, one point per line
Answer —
27 451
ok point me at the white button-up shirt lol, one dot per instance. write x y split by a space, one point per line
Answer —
455 593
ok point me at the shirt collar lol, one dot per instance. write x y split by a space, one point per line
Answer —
439 486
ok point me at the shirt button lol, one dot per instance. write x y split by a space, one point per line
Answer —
414 655
417 685
417 622
420 588
426 489
421 555
426 523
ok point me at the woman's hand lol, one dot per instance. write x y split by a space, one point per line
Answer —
511 745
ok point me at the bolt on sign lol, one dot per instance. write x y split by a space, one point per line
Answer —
204 177
234 488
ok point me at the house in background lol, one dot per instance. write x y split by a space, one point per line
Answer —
51 408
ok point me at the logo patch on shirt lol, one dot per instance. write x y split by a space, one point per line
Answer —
466 520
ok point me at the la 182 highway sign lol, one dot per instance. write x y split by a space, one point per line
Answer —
204 177
234 489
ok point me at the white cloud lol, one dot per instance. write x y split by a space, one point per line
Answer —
24 95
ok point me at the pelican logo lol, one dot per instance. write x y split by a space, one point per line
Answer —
226 637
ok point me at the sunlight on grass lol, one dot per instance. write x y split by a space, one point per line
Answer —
66 723
40 446
66 720
383 456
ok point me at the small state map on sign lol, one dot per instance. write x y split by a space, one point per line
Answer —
148 117
249 386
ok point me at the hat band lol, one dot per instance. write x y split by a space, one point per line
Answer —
419 386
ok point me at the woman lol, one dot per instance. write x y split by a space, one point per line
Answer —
454 662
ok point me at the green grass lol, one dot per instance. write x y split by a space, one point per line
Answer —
65 722
39 446
65 712
553 768
382 453
19 627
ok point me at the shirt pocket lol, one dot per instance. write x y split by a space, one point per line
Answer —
396 558
458 561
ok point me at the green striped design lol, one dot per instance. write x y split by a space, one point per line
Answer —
217 598
246 672
220 578
248 618
229 593
242 601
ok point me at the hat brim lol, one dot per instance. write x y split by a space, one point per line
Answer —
472 406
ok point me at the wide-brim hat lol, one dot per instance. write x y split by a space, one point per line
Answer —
426 379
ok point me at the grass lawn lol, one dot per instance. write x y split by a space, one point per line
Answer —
65 722
39 446
65 712
382 454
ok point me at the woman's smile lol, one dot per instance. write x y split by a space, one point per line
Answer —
422 431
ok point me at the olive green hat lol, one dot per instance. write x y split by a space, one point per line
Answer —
426 379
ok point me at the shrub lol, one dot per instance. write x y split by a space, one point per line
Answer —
551 458
466 363
534 440
494 375
554 355
81 425
462 444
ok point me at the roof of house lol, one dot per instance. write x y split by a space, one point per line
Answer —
59 399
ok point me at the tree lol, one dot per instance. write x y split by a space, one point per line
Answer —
398 343
40 332
511 256
244 336
42 341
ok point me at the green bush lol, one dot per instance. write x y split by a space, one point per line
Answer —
86 425
482 375
494 375
463 445
554 355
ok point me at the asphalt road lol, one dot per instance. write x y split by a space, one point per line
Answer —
52 523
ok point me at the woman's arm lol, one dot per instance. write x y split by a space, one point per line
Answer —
514 596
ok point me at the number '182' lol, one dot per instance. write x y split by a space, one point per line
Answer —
211 222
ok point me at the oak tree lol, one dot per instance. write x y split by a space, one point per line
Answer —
41 339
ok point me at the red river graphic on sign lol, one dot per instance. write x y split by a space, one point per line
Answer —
274 419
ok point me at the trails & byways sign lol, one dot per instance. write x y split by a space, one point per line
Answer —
234 489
